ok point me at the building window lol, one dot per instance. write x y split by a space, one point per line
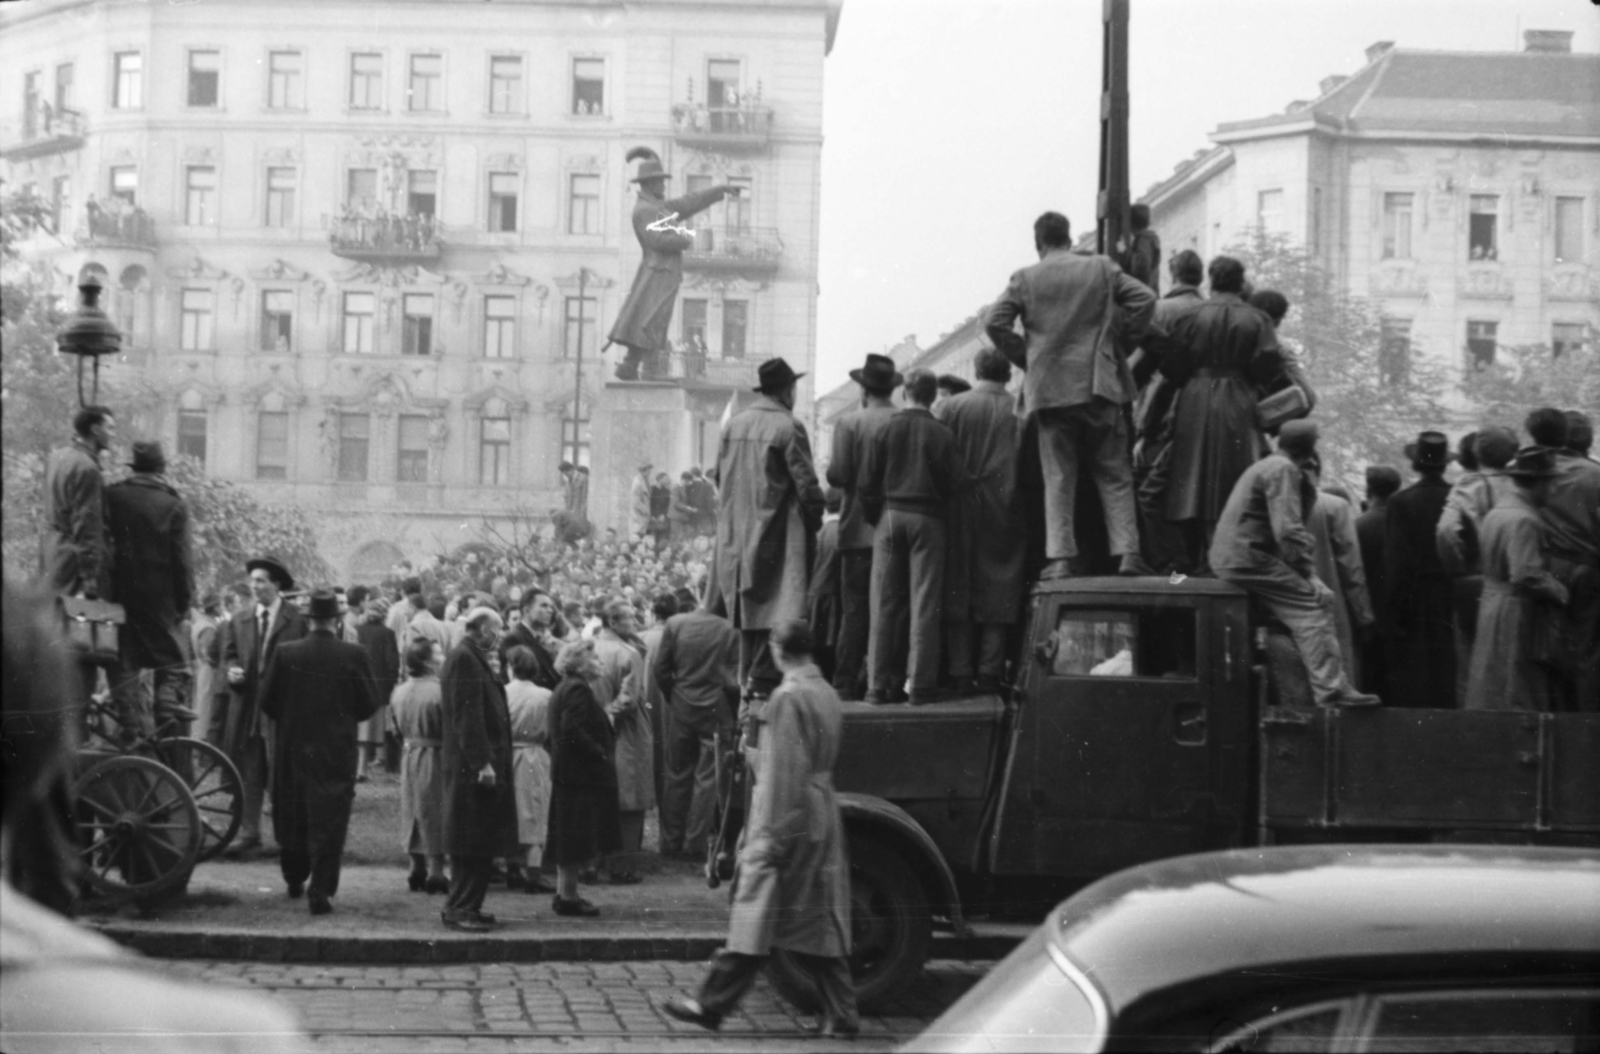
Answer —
505 84
1483 228
1481 343
575 435
583 210
735 328
125 184
285 87
417 331
192 435
1569 230
272 445
358 311
1394 352
499 327
580 316
1269 210
277 320
412 463
128 92
737 209
1398 210
64 75
194 329
361 189
425 89
494 451
205 71
503 202
693 331
30 104
722 84
366 81
1567 336
280 197
422 193
200 196
355 435
589 86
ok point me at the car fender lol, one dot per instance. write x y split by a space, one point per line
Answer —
866 811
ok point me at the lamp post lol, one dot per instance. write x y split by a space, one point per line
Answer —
577 373
89 334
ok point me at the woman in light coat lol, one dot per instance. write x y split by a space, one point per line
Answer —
620 689
417 713
530 761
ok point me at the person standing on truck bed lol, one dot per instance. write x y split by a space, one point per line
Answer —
984 544
1074 308
1461 526
912 475
1421 595
1382 482
1262 546
1332 524
1572 535
856 431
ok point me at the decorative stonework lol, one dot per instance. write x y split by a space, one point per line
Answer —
569 283
1484 283
197 270
280 271
502 162
583 163
389 277
501 275
199 155
1399 281
1572 283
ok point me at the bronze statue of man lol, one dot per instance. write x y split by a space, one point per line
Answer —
661 227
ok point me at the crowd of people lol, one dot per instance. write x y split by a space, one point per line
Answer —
375 227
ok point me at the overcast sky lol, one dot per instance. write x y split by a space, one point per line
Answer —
951 124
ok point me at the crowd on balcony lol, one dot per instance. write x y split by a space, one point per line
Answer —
116 219
736 115
376 228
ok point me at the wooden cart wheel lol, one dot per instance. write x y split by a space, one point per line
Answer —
138 828
214 781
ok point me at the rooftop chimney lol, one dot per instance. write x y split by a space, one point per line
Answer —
1547 41
1296 106
1377 50
1327 84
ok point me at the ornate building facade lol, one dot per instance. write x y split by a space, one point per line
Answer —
363 248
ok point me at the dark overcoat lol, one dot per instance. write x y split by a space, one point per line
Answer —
521 635
152 573
244 717
646 314
984 545
822 602
479 820
75 549
1420 598
585 820
317 690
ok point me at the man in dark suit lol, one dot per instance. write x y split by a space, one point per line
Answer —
317 689
1421 599
1382 482
534 631
152 579
254 634
383 651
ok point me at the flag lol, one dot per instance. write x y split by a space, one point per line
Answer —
727 413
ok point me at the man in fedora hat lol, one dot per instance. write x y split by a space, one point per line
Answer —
853 436
1571 518
771 505
1263 546
153 580
1521 599
317 689
659 224
254 634
1421 608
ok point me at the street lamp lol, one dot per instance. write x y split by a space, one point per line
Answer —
577 373
89 334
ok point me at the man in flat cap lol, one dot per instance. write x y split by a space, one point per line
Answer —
1263 546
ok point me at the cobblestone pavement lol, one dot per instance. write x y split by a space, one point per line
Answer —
580 1007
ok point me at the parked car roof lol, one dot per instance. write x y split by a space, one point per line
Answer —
1167 923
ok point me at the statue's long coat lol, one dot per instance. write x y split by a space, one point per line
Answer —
646 314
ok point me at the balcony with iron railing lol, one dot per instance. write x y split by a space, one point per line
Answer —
115 225
735 249
722 127
697 369
385 237
46 131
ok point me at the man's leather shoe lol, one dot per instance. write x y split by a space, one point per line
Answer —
1133 566
415 881
318 902
465 923
690 1011
537 883
1061 567
577 906
1355 699
436 884
295 889
838 1028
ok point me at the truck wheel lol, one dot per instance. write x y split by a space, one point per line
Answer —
890 929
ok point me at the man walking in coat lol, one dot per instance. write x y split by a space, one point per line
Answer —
1075 307
480 812
1571 517
661 225
984 543
1263 547
1420 600
254 634
76 552
792 887
697 669
852 436
318 690
152 579
771 505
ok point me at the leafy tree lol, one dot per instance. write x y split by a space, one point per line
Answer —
1369 405
1526 377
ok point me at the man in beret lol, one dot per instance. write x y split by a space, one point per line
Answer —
1263 546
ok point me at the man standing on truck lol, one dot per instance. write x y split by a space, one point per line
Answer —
1421 596
1075 308
1572 540
1262 546
854 433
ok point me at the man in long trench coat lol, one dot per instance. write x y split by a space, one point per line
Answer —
771 505
792 888
318 690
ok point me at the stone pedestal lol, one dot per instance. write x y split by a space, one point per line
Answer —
633 423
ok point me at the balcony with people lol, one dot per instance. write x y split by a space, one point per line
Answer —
45 131
729 120
734 248
692 366
379 236
116 223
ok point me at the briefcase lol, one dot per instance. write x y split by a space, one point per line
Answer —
90 626
1282 406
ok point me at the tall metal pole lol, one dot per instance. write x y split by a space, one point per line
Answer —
1111 230
577 373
